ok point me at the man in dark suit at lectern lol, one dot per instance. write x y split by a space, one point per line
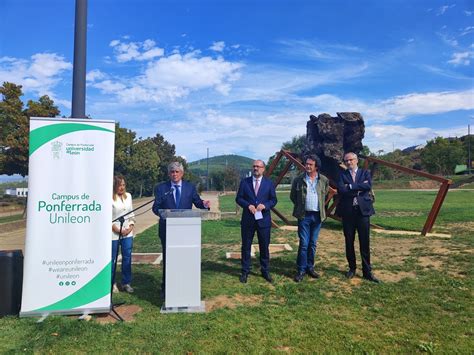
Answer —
256 196
174 194
355 207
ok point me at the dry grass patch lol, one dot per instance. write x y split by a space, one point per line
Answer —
285 349
423 184
126 311
389 276
462 227
232 302
400 213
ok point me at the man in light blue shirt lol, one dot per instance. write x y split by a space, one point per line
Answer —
308 194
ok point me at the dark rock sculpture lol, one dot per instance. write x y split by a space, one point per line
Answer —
330 137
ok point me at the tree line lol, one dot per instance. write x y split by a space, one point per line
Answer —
142 161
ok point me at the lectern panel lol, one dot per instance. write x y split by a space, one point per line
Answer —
183 262
183 281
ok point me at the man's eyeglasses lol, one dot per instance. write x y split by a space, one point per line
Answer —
258 166
348 160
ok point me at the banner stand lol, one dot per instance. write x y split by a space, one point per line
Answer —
67 262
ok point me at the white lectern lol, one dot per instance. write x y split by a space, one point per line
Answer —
183 261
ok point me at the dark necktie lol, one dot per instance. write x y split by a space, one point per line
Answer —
177 195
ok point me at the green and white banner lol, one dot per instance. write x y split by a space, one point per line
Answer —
67 265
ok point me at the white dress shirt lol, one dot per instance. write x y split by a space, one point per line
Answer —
119 208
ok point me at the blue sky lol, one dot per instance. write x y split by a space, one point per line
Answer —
242 77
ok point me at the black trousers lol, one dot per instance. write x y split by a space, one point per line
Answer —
352 223
263 234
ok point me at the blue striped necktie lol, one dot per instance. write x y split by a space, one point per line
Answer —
177 195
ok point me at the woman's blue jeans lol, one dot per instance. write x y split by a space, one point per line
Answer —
308 232
126 245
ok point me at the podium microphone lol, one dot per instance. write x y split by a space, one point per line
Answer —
166 194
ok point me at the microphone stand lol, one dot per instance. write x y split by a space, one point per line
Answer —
120 219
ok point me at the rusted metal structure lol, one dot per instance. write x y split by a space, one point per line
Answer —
294 160
331 203
438 202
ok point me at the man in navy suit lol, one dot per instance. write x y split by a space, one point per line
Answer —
355 207
174 194
256 196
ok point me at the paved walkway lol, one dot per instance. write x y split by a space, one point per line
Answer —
12 235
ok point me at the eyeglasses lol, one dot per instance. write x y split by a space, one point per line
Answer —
258 166
348 160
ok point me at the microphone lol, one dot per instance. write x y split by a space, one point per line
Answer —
162 198
169 192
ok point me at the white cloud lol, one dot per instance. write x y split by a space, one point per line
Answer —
192 72
39 74
95 75
467 30
176 76
140 51
114 43
109 86
316 50
428 103
251 134
446 73
397 108
387 137
461 58
442 10
468 13
269 84
449 41
217 46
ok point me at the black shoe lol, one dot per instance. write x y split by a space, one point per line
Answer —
350 273
299 277
243 277
371 278
267 277
313 274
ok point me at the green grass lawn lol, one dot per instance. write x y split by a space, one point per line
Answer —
12 218
424 304
404 210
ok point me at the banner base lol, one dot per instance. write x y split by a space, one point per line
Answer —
69 312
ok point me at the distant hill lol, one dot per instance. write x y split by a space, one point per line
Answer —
219 163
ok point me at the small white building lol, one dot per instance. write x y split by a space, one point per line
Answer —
17 191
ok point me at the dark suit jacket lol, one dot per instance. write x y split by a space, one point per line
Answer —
246 197
360 189
164 198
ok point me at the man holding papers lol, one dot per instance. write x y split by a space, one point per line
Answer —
256 196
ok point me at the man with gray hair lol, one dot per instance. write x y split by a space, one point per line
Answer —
174 194
355 207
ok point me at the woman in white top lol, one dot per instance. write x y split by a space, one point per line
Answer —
122 204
